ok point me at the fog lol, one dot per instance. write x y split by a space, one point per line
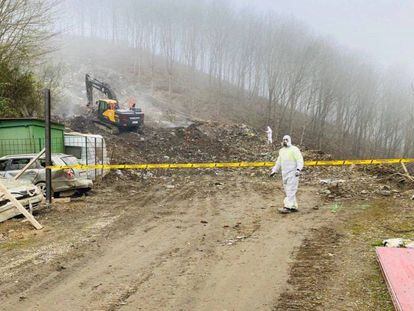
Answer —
380 29
337 62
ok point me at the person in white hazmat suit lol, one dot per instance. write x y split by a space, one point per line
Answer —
269 135
290 162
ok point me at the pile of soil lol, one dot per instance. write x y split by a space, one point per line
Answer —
208 141
202 141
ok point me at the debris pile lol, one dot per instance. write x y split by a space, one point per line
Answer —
339 183
199 142
208 141
316 155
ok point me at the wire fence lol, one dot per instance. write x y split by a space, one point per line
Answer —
28 146
87 149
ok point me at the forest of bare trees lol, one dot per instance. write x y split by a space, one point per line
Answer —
347 99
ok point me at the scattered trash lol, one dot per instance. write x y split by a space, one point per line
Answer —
330 182
326 191
235 240
398 242
60 268
385 193
237 225
393 243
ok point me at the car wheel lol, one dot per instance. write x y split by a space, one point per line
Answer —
42 186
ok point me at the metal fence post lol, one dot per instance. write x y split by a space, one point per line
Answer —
86 150
86 155
95 159
48 148
102 159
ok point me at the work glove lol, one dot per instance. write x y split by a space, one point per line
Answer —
297 174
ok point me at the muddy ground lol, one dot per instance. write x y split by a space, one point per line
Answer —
207 239
201 242
211 242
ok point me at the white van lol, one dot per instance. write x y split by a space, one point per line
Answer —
89 149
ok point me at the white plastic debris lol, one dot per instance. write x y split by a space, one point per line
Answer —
331 182
393 242
398 242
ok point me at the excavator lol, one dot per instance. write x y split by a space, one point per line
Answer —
110 115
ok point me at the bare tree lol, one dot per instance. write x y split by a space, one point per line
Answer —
24 29
270 64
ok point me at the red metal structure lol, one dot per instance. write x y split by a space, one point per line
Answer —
397 265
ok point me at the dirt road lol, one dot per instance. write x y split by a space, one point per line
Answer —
205 243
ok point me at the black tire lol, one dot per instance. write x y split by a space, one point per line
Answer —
83 191
140 130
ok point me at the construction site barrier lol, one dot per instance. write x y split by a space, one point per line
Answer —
227 164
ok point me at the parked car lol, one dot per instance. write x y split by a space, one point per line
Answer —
62 180
25 192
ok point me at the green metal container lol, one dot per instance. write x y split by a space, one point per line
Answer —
19 136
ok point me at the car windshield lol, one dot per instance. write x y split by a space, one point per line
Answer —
69 160
18 164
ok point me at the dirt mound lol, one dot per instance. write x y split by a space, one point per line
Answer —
316 155
201 141
208 141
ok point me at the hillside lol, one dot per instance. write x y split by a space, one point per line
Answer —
191 100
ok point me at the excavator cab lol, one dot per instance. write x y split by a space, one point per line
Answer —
107 109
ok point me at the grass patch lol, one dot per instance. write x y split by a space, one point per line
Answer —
378 288
368 225
16 244
335 207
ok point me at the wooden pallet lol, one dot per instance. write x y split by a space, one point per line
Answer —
397 265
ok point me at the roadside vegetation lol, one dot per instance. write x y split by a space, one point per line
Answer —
25 32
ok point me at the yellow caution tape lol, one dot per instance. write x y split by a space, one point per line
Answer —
225 164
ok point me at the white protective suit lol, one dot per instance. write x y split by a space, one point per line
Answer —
269 135
289 161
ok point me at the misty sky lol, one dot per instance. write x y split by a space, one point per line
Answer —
380 29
